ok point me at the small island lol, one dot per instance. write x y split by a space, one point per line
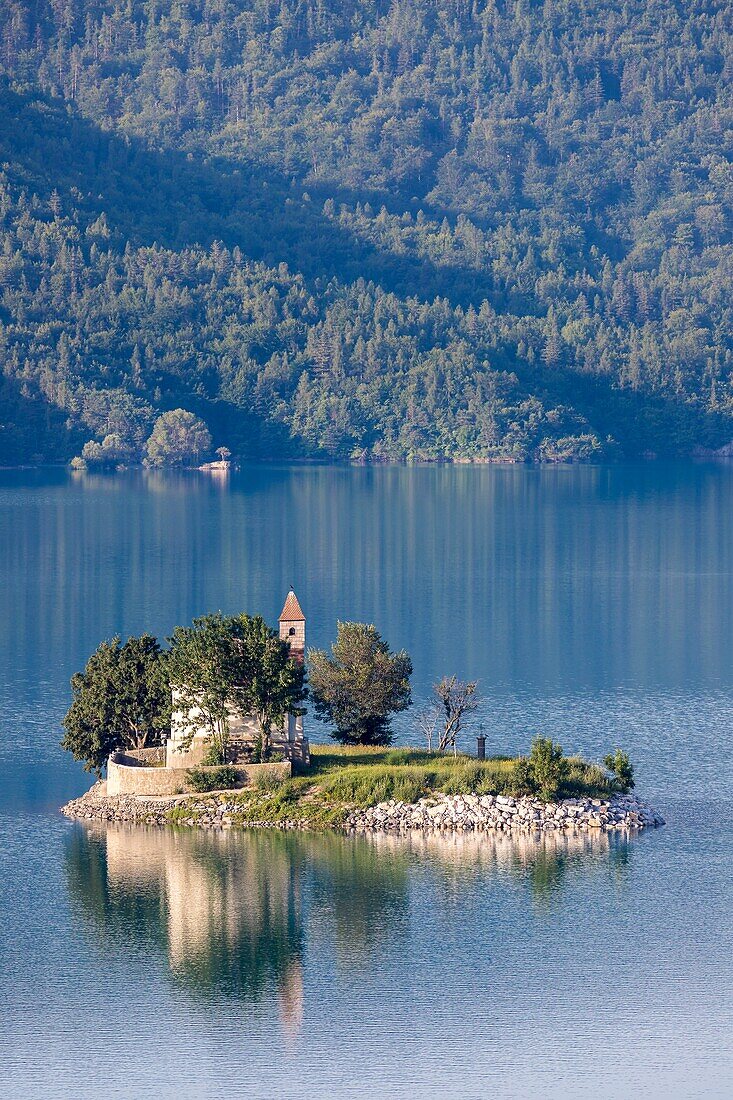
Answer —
209 732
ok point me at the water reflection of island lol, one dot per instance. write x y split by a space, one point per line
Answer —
227 914
228 909
542 860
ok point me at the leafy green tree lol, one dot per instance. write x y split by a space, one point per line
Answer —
207 673
275 683
621 769
227 666
120 701
110 452
178 438
549 767
360 685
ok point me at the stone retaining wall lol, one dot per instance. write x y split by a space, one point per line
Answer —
127 775
141 758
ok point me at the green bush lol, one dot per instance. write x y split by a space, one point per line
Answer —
218 779
621 769
266 782
549 766
522 780
582 777
212 757
594 776
398 756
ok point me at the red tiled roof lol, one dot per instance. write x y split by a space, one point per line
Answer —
291 612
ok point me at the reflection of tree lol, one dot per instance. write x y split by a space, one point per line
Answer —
555 857
543 861
546 872
235 916
109 911
363 889
227 910
227 913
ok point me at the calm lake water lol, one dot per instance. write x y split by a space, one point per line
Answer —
594 604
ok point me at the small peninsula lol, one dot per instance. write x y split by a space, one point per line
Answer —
210 732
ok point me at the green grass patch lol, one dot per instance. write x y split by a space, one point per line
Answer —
182 815
341 779
359 776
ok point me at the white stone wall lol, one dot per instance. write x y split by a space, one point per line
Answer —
140 780
187 722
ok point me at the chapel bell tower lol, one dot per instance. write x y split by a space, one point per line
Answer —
292 627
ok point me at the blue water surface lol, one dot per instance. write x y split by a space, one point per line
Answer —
593 604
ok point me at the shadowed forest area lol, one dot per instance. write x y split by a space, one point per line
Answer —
373 230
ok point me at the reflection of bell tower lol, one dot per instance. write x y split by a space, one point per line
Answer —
292 627
290 995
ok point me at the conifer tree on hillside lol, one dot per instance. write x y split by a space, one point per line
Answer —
499 232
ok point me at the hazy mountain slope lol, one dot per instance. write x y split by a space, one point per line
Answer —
483 231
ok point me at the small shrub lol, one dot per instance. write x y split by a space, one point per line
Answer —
549 767
266 782
183 815
398 756
521 781
621 769
212 757
595 776
218 779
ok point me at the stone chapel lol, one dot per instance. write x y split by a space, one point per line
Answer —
290 739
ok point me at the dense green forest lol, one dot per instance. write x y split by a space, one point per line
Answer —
385 230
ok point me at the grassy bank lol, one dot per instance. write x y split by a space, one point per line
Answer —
341 779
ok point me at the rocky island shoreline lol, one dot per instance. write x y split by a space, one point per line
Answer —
457 813
470 812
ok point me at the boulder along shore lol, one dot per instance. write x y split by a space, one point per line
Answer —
468 812
457 813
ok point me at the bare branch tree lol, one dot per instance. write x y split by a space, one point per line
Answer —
427 721
454 700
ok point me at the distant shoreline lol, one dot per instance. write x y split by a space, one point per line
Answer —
699 455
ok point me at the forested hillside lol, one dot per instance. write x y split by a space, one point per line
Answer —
336 228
